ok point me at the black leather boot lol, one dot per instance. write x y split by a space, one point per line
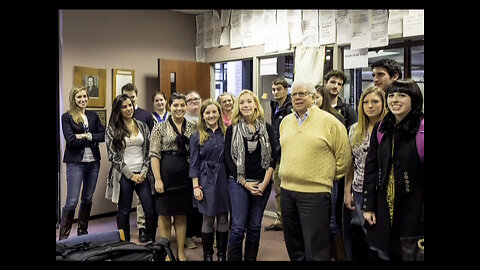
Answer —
234 254
83 216
251 250
150 228
222 241
124 224
66 223
207 243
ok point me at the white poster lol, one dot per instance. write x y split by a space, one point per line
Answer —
268 66
360 30
355 58
235 30
413 24
379 28
344 32
310 27
327 27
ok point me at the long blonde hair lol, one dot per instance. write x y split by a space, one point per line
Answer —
258 113
363 120
74 111
202 125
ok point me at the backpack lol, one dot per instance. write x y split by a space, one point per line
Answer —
418 139
114 251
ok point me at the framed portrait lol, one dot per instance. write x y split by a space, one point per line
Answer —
102 114
95 81
120 77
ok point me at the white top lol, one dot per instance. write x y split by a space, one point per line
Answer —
87 154
133 152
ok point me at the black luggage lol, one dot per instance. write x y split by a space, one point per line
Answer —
115 251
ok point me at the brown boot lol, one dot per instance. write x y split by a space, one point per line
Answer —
338 249
83 217
66 223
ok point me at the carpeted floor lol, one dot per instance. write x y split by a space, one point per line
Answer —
272 245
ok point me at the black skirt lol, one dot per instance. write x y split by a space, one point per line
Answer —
177 198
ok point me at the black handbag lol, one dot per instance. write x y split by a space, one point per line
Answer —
413 248
115 251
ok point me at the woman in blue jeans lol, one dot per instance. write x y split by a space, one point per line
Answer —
83 131
128 144
250 161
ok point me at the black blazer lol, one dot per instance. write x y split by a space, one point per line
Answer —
277 118
144 116
75 148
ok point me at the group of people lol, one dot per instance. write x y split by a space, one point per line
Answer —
326 166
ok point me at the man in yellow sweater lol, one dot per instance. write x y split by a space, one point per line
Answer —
315 152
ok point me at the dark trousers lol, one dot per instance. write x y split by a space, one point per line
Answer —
306 225
127 187
194 223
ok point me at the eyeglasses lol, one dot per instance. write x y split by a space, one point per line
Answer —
300 94
194 100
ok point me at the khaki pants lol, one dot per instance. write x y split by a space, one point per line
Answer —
276 184
140 214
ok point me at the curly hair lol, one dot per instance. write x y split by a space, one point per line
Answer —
392 67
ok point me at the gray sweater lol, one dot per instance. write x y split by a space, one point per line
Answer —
119 167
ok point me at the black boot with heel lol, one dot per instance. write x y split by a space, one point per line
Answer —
207 243
222 241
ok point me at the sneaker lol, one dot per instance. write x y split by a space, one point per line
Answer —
273 227
189 243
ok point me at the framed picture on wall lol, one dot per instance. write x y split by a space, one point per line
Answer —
120 77
95 81
102 114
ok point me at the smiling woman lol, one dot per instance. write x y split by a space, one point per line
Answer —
250 160
83 132
169 153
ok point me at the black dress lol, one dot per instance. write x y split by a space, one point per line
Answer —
173 148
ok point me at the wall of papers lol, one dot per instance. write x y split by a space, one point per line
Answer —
284 29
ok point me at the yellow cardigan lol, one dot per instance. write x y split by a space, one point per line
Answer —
314 154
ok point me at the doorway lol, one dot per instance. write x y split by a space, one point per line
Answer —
233 77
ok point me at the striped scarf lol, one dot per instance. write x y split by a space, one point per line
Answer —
241 131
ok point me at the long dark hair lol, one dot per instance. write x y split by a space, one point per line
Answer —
410 124
116 122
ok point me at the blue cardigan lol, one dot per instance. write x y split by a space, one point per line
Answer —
75 148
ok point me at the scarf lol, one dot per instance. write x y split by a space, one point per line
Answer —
241 131
181 140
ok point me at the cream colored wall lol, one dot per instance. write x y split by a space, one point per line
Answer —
124 39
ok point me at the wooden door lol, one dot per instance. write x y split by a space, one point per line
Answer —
188 76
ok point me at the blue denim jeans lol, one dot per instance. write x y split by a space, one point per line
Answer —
358 198
127 187
78 173
247 213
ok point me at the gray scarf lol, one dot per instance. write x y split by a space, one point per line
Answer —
240 131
